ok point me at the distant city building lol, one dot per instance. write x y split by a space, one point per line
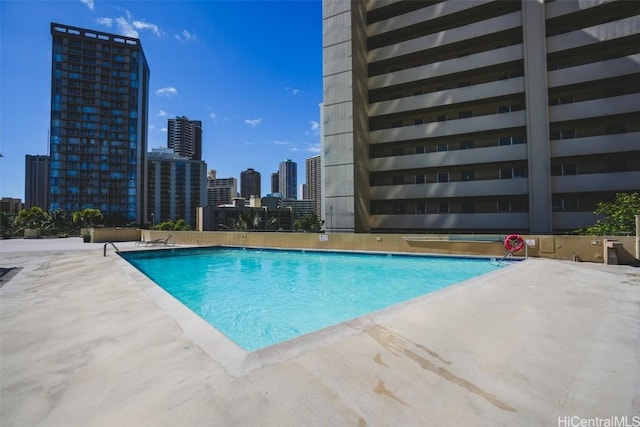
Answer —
275 182
300 207
36 188
176 186
220 191
250 183
478 116
288 179
98 142
10 205
314 182
184 136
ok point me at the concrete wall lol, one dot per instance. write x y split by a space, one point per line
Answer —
578 248
101 235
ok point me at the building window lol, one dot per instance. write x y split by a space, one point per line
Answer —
506 173
468 206
443 207
569 169
467 176
616 166
466 145
562 100
441 118
421 208
397 152
563 134
396 124
613 129
442 147
421 179
398 180
418 121
509 108
565 204
465 114
419 149
398 208
443 176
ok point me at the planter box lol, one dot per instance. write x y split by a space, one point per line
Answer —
32 233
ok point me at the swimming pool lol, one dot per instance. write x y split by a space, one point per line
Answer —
259 297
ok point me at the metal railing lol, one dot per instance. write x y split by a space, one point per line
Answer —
104 252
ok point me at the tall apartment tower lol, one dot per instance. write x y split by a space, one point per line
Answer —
275 182
36 191
314 182
484 116
250 183
184 136
177 186
98 142
288 179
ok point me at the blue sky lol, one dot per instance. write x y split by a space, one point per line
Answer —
250 70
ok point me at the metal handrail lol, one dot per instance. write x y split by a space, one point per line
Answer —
104 252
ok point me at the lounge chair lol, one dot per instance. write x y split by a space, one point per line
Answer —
163 241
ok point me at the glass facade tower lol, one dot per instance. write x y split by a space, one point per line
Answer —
98 143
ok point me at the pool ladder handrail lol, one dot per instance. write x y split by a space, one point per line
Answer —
104 252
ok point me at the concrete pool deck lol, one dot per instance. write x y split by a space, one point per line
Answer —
87 340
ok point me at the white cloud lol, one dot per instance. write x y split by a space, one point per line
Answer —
314 128
161 113
293 91
253 122
125 28
278 142
163 130
89 3
167 91
141 25
185 37
213 116
151 126
107 22
315 148
126 25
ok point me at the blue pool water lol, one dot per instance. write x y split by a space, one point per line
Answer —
258 298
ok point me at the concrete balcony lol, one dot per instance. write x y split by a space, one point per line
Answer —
449 158
490 187
422 16
592 35
596 145
450 127
453 35
615 181
594 71
444 68
595 108
559 8
467 221
453 96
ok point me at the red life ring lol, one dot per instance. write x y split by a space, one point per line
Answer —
513 242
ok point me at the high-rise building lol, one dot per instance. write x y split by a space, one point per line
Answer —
98 143
288 179
249 183
184 136
314 182
489 116
36 191
220 191
275 182
177 186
